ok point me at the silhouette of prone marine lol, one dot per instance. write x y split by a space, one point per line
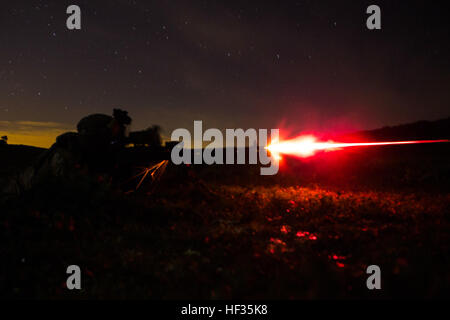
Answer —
101 136
78 155
95 153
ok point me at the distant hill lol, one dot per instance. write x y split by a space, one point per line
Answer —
13 157
421 130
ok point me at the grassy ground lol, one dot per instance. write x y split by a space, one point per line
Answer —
216 232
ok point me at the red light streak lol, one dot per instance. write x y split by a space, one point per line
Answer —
307 145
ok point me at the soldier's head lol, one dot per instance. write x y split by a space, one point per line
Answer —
122 117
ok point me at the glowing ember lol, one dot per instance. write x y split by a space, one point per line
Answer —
307 145
155 171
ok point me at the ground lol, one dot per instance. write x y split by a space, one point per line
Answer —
226 232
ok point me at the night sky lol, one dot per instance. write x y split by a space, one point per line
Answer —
302 65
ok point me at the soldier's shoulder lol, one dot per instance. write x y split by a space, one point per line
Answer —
67 139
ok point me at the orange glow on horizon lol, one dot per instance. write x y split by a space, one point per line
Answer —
41 141
33 133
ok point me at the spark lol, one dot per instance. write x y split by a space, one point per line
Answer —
307 145
154 171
